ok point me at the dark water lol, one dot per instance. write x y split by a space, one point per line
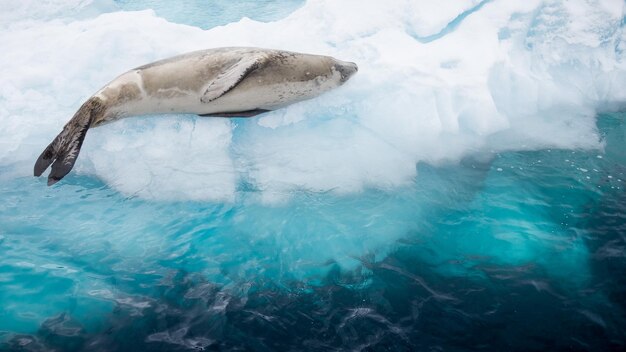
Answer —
523 251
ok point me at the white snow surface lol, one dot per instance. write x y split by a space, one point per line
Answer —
437 81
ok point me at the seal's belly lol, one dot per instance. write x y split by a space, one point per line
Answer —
190 103
244 98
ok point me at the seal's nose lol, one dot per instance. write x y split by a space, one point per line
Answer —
346 69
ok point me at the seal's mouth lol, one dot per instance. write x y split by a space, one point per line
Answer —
346 69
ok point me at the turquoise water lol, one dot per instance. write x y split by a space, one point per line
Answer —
518 246
211 13
503 249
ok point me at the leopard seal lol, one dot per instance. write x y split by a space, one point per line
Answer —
223 82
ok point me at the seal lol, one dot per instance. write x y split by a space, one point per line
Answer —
222 82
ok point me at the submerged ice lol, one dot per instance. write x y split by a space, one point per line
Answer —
412 152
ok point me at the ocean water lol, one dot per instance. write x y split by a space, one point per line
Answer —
208 14
464 191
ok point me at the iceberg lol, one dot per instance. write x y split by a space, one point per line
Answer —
499 76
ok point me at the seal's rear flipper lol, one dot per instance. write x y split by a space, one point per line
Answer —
45 159
64 149
62 152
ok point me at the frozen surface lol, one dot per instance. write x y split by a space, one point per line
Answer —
509 76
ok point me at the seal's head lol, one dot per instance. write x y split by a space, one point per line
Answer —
345 69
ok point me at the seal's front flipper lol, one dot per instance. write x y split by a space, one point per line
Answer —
228 79
64 149
248 113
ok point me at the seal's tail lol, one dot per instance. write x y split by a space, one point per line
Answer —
61 153
64 149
